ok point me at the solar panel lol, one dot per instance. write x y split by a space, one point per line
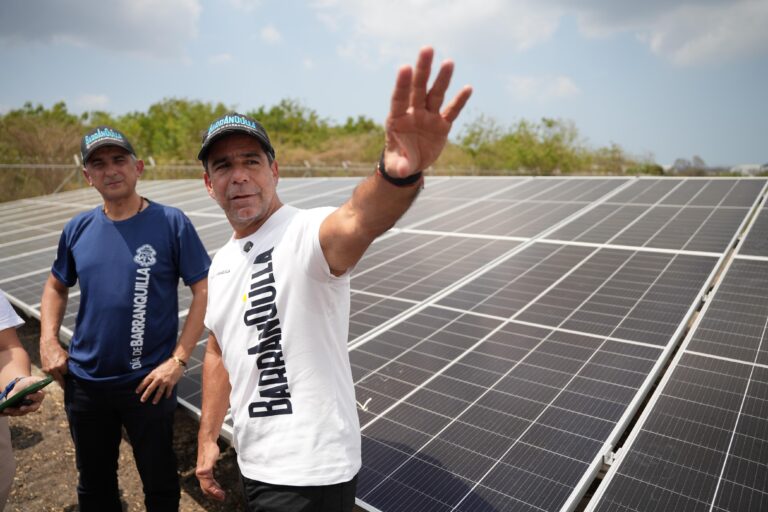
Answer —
516 404
502 335
702 444
756 242
686 215
574 350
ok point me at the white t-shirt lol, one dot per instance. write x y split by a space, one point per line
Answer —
282 319
8 316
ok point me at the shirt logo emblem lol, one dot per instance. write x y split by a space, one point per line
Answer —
145 256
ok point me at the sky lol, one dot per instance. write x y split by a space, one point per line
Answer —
663 79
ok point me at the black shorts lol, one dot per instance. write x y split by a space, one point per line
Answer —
263 497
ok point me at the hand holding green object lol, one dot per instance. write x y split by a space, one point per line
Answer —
19 399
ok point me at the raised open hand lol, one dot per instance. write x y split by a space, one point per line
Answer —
416 129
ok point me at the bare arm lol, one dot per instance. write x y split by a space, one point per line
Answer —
193 325
52 306
14 362
162 379
416 133
216 389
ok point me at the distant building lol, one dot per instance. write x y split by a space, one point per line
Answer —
749 169
697 167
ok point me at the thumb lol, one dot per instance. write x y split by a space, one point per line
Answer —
217 491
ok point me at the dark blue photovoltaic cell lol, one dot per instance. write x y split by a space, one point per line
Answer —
506 289
697 215
756 243
636 296
419 272
704 443
600 224
518 412
735 322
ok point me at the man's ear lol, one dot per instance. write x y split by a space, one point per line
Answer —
87 177
275 171
209 185
140 166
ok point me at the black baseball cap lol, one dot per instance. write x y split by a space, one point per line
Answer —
103 136
235 123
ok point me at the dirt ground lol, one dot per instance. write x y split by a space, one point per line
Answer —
46 476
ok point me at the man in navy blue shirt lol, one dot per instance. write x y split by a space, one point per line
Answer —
124 359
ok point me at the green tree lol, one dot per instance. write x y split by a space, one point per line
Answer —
610 160
170 130
34 134
37 135
359 125
289 123
551 146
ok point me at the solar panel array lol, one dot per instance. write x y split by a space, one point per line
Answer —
703 442
506 331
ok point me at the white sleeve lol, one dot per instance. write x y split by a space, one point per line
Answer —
309 249
8 317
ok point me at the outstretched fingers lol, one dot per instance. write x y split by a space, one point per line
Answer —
421 77
401 94
452 111
416 129
436 95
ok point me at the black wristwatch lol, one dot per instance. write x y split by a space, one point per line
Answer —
398 182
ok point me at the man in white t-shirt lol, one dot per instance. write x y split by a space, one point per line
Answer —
14 376
278 302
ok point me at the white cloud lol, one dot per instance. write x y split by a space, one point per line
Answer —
329 21
92 102
684 31
700 35
541 88
246 5
360 52
308 63
391 31
150 28
220 58
271 35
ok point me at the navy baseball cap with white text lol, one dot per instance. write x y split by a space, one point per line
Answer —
103 136
235 123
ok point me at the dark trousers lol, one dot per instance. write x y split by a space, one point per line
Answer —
263 497
96 416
